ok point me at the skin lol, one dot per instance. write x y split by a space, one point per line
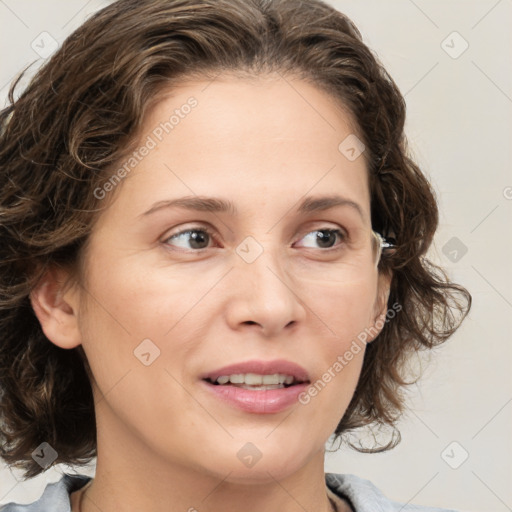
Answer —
164 443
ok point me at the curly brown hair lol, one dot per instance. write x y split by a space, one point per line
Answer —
80 114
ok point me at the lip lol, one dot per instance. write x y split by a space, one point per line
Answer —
281 366
269 401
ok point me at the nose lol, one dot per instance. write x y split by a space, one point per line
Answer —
264 296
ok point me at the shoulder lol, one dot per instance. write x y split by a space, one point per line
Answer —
55 497
364 496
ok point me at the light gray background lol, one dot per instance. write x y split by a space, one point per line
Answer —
459 127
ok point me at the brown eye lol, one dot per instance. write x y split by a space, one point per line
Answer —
325 238
191 239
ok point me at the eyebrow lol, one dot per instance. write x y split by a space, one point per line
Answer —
219 205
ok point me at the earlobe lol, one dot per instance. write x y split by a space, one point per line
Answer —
56 309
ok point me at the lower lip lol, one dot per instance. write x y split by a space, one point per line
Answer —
269 401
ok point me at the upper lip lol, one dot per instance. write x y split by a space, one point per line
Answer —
262 368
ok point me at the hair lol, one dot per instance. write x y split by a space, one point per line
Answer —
80 114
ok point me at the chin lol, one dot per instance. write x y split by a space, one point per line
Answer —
259 462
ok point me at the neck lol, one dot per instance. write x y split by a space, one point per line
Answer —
132 477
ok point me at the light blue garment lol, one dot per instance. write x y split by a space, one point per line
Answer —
362 495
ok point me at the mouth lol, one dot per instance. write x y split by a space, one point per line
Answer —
259 375
257 387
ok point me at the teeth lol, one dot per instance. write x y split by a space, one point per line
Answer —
274 379
253 379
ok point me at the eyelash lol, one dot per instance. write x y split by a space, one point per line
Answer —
341 235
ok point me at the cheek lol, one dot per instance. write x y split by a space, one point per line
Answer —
133 301
346 309
342 313
124 308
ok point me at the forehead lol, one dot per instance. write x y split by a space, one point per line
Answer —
263 139
271 108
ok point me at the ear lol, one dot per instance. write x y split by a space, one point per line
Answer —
56 306
381 305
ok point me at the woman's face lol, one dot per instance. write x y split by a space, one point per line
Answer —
267 284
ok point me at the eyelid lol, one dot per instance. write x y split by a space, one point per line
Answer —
319 226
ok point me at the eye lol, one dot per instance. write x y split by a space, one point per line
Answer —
326 238
195 238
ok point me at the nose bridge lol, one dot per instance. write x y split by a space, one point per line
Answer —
261 272
262 263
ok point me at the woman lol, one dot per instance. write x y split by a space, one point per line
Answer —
213 258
